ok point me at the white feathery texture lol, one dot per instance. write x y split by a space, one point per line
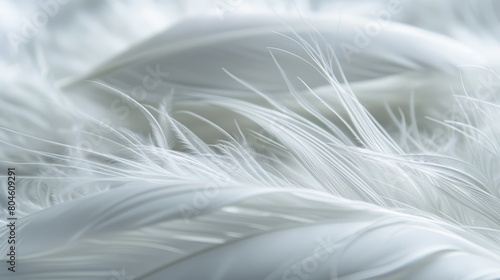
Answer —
264 140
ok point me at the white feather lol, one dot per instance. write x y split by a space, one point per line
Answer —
324 186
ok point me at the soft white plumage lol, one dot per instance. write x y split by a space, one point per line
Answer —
266 152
